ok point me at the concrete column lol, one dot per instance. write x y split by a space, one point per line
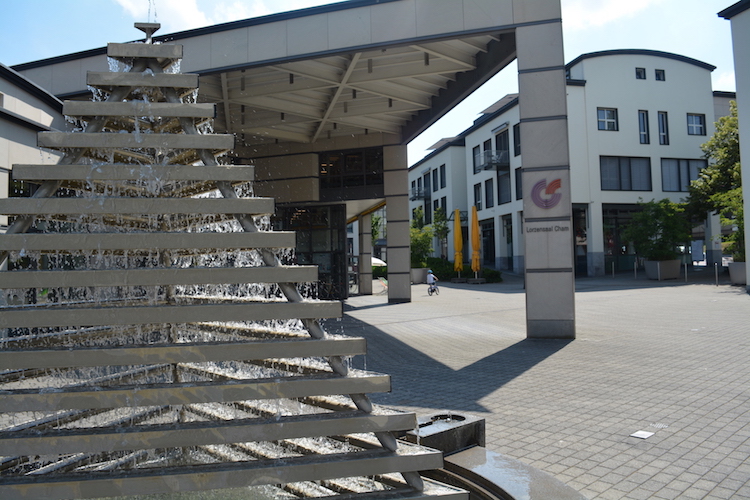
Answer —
548 225
397 215
365 255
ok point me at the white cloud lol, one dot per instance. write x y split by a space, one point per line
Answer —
724 81
582 14
180 15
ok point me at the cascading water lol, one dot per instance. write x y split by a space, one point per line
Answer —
152 341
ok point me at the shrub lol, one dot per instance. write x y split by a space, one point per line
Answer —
380 272
491 275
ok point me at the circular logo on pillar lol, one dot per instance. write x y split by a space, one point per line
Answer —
545 195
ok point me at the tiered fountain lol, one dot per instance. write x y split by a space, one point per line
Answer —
150 339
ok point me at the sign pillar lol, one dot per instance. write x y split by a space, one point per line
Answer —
547 208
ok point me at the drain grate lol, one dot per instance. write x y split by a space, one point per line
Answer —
659 426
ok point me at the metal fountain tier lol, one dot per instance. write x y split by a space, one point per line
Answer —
151 339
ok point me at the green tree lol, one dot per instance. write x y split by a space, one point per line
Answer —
376 222
657 229
718 188
440 227
420 239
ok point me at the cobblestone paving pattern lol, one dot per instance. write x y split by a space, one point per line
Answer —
664 357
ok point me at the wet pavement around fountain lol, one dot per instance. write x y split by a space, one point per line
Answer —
669 358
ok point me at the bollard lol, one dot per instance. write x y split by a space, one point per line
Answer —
716 273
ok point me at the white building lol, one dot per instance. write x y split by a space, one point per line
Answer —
636 121
25 109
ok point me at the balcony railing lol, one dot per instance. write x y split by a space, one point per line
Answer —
419 194
491 160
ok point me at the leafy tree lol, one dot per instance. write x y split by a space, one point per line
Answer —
376 222
718 188
657 229
420 239
440 227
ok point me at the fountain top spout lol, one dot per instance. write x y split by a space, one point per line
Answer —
149 29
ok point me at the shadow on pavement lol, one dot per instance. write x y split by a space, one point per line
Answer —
419 380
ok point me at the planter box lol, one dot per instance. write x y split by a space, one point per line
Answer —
419 275
737 272
663 269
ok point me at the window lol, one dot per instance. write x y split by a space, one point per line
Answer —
607 119
476 158
435 205
643 133
516 139
443 182
503 187
427 212
489 193
640 73
660 75
663 128
676 174
696 124
444 205
478 196
427 189
621 173
519 186
434 180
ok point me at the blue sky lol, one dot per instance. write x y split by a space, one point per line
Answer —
37 29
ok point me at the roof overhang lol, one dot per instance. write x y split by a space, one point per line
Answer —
340 70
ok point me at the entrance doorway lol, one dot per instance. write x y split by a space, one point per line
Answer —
508 234
321 241
488 243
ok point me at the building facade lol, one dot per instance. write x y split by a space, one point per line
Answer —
25 109
637 119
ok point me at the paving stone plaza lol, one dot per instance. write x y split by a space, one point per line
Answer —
669 358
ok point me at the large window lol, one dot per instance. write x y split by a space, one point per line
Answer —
503 187
643 133
696 124
606 119
476 158
620 173
351 175
489 193
519 186
663 128
676 174
478 196
516 139
435 180
443 181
